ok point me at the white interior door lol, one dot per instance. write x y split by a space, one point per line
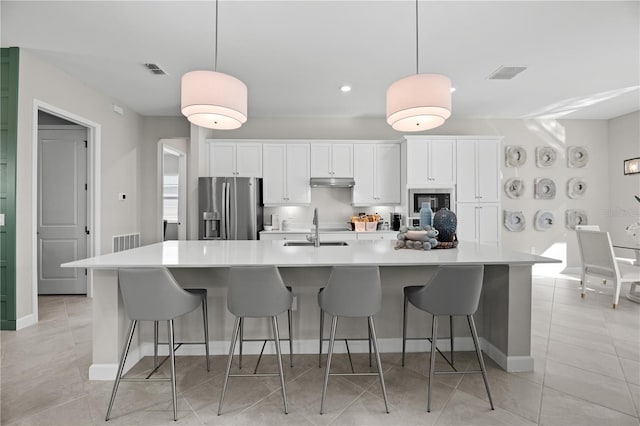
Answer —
62 209
174 192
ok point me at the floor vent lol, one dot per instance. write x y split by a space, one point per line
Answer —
126 242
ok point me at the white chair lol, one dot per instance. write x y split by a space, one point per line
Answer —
598 259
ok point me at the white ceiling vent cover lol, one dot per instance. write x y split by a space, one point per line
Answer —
155 68
506 73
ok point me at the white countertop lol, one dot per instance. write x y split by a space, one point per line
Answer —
198 254
325 231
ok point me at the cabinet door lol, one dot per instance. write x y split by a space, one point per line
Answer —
488 223
321 160
387 171
466 229
488 170
363 174
273 173
466 176
442 167
298 173
221 159
342 160
249 160
377 236
418 163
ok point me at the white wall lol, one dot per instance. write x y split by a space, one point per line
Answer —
118 161
622 209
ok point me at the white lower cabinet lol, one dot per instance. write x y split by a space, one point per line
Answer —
330 236
283 236
478 222
364 236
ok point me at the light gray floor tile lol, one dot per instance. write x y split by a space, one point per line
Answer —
590 340
631 370
628 349
634 390
369 410
75 412
466 409
601 390
561 409
597 362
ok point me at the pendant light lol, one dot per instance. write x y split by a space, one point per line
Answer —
213 99
419 102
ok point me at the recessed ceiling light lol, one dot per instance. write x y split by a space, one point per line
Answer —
345 88
453 89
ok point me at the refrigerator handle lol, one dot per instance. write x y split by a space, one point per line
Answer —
223 227
235 209
227 209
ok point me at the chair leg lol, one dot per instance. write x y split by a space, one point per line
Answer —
276 339
432 359
377 352
241 341
234 337
332 338
404 327
616 296
290 320
451 336
321 337
369 329
172 355
474 334
583 283
155 344
123 358
205 321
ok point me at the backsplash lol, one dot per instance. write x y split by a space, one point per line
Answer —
334 210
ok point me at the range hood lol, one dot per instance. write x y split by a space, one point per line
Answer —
332 182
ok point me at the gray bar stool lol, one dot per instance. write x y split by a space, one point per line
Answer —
352 291
256 292
202 293
151 294
452 290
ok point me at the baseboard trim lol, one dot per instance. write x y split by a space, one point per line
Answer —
25 321
109 371
511 364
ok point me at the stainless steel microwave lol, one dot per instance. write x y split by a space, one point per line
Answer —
437 199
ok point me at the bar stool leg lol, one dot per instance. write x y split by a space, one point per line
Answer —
377 352
474 334
123 358
290 320
172 355
404 327
241 341
369 329
321 337
234 337
155 344
332 338
276 339
205 317
432 366
451 336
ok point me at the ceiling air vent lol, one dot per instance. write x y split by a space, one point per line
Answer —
506 73
155 68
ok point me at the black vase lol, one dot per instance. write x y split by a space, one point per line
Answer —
446 222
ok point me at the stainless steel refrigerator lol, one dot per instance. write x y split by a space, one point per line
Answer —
230 208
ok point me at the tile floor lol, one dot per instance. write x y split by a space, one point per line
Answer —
587 372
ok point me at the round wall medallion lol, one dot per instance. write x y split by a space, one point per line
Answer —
545 156
576 188
514 187
514 220
575 218
577 156
545 189
544 220
515 156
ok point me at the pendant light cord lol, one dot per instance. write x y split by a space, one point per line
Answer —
215 58
417 54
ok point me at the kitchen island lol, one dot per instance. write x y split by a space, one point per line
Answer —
503 317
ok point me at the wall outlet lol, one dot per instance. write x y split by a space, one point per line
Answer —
294 304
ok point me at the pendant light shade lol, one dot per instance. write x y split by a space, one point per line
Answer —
419 102
214 100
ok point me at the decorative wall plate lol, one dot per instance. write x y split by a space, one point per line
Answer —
515 156
545 189
576 187
576 217
514 220
545 156
544 220
577 156
514 187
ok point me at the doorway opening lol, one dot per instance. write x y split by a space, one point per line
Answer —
173 188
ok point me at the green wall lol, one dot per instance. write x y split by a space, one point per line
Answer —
8 145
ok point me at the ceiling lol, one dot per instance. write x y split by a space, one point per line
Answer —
582 58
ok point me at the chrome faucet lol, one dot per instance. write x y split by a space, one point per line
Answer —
316 237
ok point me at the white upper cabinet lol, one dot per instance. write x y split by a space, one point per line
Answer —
331 160
376 171
430 162
478 176
479 222
239 159
286 174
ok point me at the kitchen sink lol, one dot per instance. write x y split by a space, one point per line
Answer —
310 244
